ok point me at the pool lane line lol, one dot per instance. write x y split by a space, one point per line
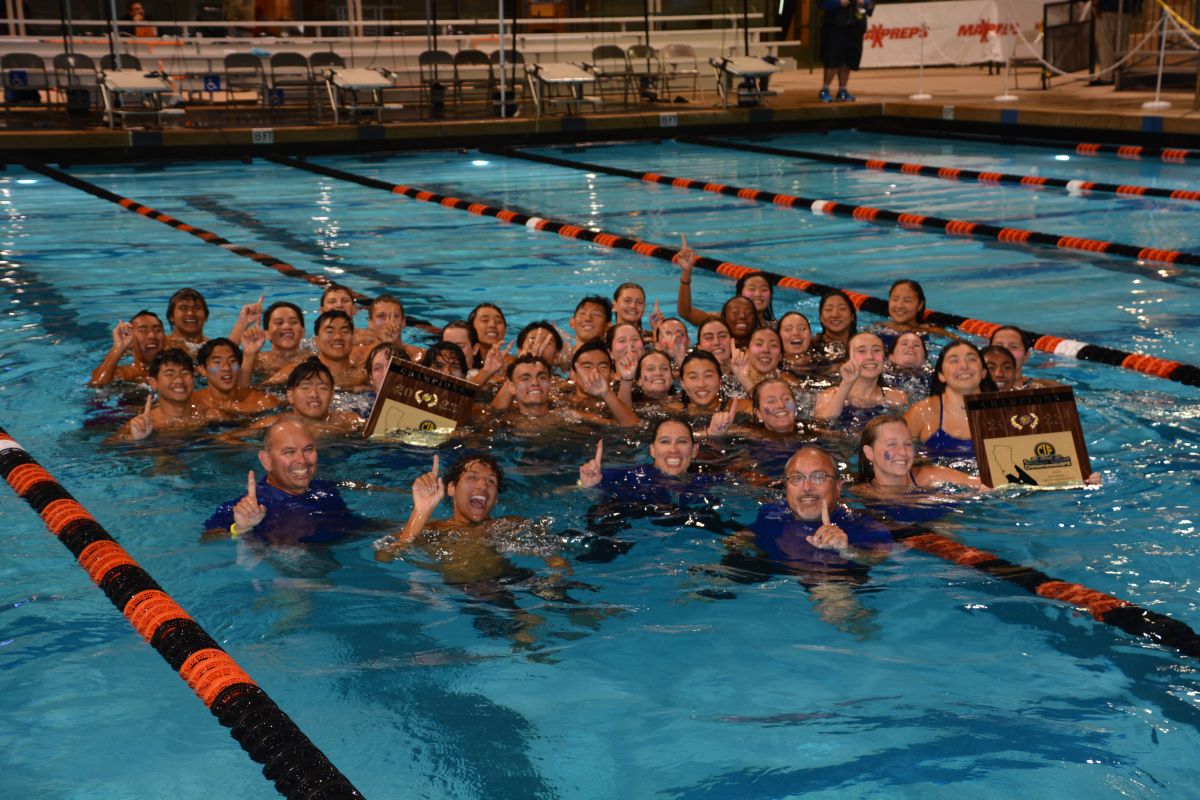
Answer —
1074 187
289 758
1068 348
1172 155
952 227
1122 614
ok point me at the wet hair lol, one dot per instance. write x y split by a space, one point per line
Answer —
385 299
333 313
596 300
757 391
475 311
813 447
539 325
937 385
998 350
677 421
1014 329
698 355
186 294
589 347
452 349
206 350
611 333
527 358
271 309
467 459
711 321
825 298
801 316
145 312
767 314
646 355
391 348
892 347
628 285
870 432
309 368
654 334
336 287
172 355
739 299
916 287
849 355
457 324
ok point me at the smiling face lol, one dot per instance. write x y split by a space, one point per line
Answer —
836 316
289 456
673 448
387 317
714 338
962 369
866 350
222 368
1011 341
147 337
188 318
758 291
765 351
334 339
173 382
892 453
1003 370
590 322
654 375
740 317
475 493
284 329
626 339
909 351
811 481
311 397
776 406
630 305
702 383
594 362
673 330
531 384
339 300
796 334
904 305
490 326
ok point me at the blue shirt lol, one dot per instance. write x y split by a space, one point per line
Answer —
648 484
783 537
317 515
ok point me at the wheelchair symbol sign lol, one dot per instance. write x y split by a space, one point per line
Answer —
212 83
18 78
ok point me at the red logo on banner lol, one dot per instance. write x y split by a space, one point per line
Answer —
877 33
985 27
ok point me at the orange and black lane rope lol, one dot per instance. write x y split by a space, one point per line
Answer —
952 227
1172 155
290 760
954 173
1070 348
1132 619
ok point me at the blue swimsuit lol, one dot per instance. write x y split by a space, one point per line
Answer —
943 445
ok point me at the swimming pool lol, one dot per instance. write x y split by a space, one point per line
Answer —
648 686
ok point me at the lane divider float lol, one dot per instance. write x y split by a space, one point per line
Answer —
1172 155
1075 187
1122 614
953 227
289 758
1069 348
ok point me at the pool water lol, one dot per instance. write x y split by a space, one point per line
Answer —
664 677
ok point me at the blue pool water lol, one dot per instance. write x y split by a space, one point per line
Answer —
956 685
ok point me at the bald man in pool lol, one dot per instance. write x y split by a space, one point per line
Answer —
288 505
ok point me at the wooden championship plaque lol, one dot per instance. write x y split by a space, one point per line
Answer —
1030 437
416 398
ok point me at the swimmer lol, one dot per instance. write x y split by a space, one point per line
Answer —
754 286
460 333
1001 366
288 505
385 323
629 304
740 316
591 372
887 462
839 322
671 452
700 383
907 367
222 364
171 378
142 336
283 323
861 393
714 337
796 337
448 358
541 340
378 361
490 328
1013 339
907 312
334 337
774 407
187 312
625 347
940 420
338 298
590 321
671 337
654 384
759 361
310 393
528 387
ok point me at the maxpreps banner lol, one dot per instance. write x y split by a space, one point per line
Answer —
964 32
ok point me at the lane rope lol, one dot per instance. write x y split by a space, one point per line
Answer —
1068 348
290 760
1122 614
953 227
1074 187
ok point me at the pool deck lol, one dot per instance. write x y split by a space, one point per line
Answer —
963 102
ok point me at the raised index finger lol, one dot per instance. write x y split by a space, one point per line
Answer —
435 466
825 512
683 238
251 488
149 400
599 451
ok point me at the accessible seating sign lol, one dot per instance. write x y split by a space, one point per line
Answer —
418 398
1030 437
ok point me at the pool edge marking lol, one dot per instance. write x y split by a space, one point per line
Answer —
173 633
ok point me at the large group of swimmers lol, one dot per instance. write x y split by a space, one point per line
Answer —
765 392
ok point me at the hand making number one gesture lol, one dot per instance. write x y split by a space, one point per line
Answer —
589 471
428 490
248 513
828 536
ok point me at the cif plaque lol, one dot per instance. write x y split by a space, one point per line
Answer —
1030 437
416 398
